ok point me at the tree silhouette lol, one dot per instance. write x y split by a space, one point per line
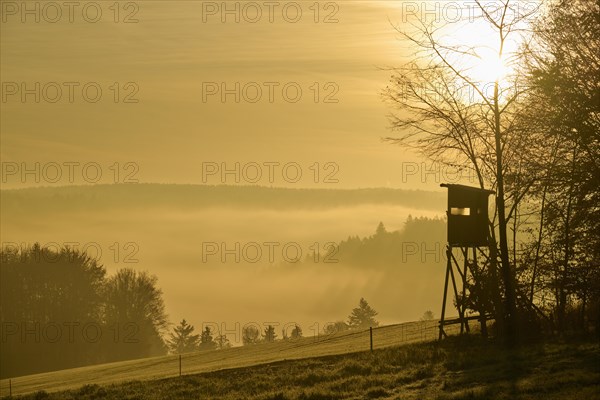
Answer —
41 286
380 229
222 342
134 299
563 65
182 339
269 334
427 316
296 332
335 327
250 335
108 319
363 316
206 340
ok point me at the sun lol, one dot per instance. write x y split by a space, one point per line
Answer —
477 53
487 67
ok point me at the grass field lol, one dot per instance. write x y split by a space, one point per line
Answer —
458 368
168 366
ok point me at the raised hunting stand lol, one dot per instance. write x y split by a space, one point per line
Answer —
468 229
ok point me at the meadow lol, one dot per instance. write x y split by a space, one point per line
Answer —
406 363
458 368
235 357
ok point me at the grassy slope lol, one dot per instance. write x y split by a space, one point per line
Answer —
459 368
161 367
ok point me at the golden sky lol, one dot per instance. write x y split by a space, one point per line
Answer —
169 56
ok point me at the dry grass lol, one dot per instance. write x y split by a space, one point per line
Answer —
458 368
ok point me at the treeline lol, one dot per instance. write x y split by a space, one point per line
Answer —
60 309
39 201
183 338
422 240
558 268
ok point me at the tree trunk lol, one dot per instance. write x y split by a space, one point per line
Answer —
506 271
538 244
499 305
562 290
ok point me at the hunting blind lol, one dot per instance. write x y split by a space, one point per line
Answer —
467 216
468 230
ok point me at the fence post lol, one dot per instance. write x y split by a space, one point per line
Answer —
371 337
180 365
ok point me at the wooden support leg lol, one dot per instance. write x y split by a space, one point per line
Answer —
448 266
464 288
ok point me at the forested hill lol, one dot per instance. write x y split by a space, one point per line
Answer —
74 198
420 242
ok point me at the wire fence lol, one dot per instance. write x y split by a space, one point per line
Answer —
382 336
341 342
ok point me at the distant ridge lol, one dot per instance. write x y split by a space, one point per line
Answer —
149 195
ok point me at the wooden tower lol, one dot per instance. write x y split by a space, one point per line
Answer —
468 228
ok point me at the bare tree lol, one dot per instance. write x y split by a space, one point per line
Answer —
451 117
